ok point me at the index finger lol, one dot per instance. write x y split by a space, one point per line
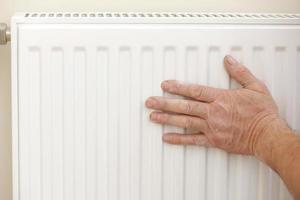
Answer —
198 92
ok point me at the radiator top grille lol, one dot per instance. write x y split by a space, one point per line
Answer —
157 18
162 15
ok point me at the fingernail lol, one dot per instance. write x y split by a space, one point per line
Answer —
231 60
150 102
154 116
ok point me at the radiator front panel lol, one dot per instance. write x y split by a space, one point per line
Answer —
84 132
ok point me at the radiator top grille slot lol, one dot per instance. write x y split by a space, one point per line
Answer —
162 15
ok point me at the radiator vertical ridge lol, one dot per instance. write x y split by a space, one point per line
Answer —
41 128
194 164
57 66
288 68
80 121
203 80
113 121
46 117
150 160
281 98
258 61
34 57
69 107
273 179
251 164
173 155
159 71
180 74
91 123
217 159
135 131
267 59
102 64
235 166
125 67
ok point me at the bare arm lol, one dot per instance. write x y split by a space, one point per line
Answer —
243 121
279 147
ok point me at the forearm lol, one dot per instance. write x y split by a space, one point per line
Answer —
279 148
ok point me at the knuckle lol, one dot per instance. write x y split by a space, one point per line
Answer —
175 139
198 92
178 140
172 139
205 113
192 89
161 103
241 69
188 108
228 142
201 141
202 110
216 141
176 86
164 118
195 140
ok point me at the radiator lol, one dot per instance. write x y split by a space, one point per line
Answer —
79 82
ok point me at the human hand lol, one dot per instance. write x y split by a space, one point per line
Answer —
229 119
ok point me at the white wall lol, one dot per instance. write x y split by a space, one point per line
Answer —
8 7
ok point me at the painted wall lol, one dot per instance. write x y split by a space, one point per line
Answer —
8 7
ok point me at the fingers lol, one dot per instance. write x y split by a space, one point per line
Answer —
182 121
181 106
186 139
198 92
243 76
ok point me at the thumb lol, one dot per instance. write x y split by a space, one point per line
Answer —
242 75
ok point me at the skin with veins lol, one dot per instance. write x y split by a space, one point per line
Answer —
243 121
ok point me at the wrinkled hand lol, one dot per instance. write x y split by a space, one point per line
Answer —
230 119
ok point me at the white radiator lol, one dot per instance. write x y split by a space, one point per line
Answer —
79 82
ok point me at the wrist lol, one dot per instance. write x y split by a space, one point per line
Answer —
273 143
